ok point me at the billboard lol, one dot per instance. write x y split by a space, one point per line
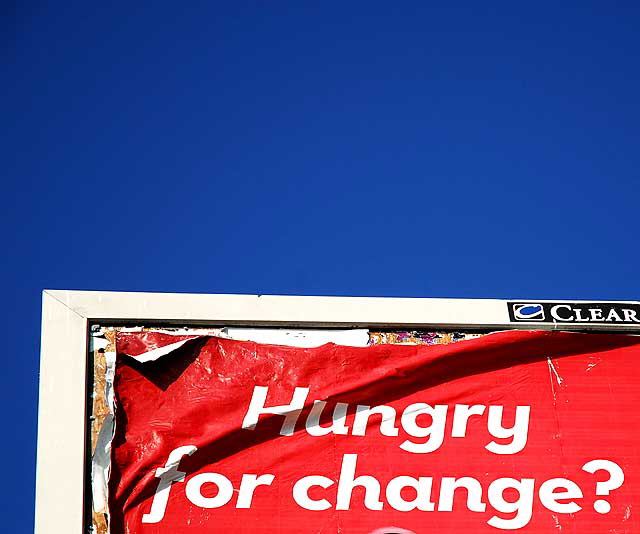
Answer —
403 424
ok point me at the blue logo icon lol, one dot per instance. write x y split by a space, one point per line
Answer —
528 312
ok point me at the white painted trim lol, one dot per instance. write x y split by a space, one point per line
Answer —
270 309
63 372
60 467
265 310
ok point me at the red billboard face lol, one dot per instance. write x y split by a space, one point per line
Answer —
530 431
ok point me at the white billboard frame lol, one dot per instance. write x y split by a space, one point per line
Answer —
67 316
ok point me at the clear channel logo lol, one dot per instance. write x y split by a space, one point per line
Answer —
575 312
528 312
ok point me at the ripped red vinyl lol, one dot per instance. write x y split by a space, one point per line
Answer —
529 431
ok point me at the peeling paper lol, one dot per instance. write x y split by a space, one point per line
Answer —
417 337
181 331
292 338
154 354
592 363
98 342
299 338
101 460
100 466
552 369
131 329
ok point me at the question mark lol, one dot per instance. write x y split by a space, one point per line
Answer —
616 478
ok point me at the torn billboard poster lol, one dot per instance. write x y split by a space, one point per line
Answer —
525 431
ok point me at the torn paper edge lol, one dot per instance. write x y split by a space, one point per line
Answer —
301 338
101 456
307 338
153 355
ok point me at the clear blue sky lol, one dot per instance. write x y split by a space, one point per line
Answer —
345 148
